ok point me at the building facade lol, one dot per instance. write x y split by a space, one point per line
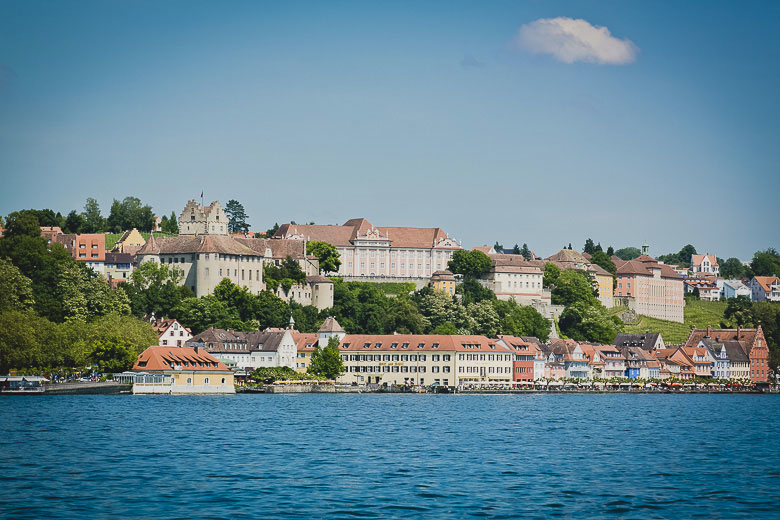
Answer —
650 288
369 251
180 370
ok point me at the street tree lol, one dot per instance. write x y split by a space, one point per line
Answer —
326 361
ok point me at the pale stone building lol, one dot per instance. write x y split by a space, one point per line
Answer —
206 254
249 350
369 251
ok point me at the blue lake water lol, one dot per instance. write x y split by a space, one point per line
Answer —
404 456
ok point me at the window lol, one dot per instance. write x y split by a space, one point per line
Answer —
206 381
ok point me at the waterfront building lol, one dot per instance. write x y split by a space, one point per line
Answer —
705 264
702 360
650 288
369 251
765 288
569 352
443 281
250 350
171 332
525 358
180 370
439 360
614 364
636 363
721 366
751 341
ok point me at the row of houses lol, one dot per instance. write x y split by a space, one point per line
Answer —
455 360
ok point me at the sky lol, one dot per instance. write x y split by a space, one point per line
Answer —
538 122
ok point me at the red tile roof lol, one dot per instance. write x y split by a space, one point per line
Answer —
159 358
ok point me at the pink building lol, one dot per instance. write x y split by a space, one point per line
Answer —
651 288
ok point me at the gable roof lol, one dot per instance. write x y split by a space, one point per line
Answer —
421 343
159 358
698 259
766 281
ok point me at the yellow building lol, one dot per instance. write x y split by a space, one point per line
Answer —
180 370
130 242
605 283
443 281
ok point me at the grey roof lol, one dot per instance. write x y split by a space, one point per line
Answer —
247 341
735 352
646 341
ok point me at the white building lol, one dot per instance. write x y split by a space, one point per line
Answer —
765 288
734 288
249 350
369 251
705 264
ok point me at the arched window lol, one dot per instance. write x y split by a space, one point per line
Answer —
189 380
206 381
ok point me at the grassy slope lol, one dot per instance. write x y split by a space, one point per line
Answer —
697 313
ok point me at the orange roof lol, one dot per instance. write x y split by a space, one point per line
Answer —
766 281
358 228
159 358
698 259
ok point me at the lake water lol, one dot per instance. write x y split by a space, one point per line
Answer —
403 456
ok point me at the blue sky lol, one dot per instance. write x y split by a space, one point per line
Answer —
405 113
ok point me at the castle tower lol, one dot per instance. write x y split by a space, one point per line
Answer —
203 220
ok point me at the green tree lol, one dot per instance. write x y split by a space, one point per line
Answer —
439 309
113 356
485 318
469 263
589 248
198 314
401 315
551 274
445 329
572 287
516 250
628 253
583 322
732 268
686 253
520 320
154 289
739 311
272 230
130 213
74 223
237 217
93 219
766 263
473 291
327 362
327 254
15 289
602 259
19 340
610 251
499 248
525 252
286 274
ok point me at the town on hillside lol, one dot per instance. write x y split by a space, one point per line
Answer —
398 306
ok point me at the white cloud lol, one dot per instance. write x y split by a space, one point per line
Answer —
571 40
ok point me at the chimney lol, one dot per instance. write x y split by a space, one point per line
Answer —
708 331
739 329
